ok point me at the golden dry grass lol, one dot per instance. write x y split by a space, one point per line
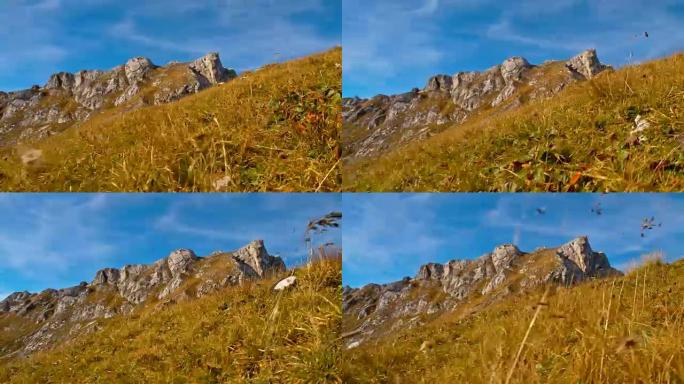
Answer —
576 141
620 330
275 129
246 334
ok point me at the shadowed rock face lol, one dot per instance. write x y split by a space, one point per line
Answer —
506 270
68 98
387 122
61 314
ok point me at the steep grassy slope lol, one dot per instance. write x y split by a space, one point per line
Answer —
241 334
577 141
619 330
275 129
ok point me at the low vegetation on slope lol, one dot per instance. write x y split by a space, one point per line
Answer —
619 330
275 129
579 140
247 333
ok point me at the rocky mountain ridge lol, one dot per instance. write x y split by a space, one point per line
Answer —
465 285
37 321
70 98
379 124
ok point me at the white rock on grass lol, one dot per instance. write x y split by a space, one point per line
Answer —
353 344
641 124
285 283
31 156
222 183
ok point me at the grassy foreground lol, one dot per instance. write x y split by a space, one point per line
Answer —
246 334
274 129
577 141
622 330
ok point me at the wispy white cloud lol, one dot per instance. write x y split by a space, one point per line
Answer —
283 233
44 5
41 37
390 236
378 43
26 36
245 32
58 240
38 250
389 230
429 7
126 29
505 31
617 233
402 42
614 28
177 220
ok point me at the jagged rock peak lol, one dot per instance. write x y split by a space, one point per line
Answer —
586 65
503 255
180 276
576 255
137 67
61 80
178 263
579 252
10 301
430 271
506 270
439 83
106 276
512 68
212 69
181 260
256 256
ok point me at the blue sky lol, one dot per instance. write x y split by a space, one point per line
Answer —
389 236
391 46
41 37
59 240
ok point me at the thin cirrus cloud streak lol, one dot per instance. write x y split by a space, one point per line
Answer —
394 45
408 231
618 229
41 252
390 236
55 241
39 38
366 37
283 233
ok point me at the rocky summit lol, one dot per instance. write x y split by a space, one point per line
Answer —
69 98
37 321
382 123
466 285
